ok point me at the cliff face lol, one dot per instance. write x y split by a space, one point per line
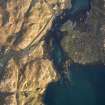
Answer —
24 74
25 71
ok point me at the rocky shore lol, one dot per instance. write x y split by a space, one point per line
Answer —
25 67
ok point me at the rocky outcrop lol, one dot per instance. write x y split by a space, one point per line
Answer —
25 72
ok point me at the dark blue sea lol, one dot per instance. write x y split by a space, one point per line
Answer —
87 87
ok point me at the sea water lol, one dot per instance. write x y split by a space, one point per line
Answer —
87 87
